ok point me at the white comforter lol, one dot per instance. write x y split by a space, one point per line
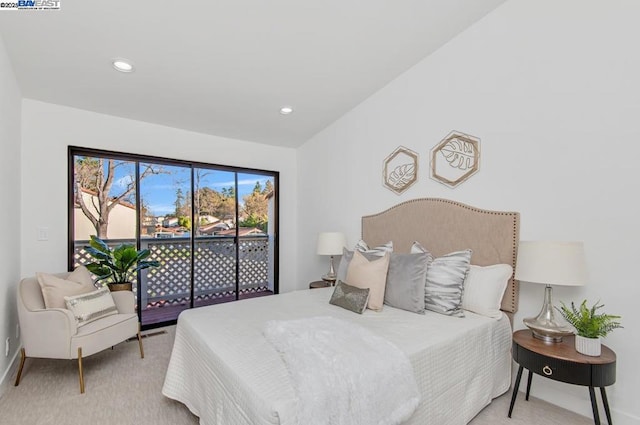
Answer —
337 369
224 370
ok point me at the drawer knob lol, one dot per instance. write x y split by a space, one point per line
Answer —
547 371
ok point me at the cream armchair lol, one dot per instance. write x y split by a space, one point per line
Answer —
53 333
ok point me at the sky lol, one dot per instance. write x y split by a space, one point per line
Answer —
158 191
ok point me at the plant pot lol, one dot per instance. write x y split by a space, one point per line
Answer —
588 346
126 286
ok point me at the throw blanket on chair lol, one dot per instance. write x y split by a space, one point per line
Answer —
344 374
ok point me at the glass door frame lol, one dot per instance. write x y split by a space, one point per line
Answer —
73 151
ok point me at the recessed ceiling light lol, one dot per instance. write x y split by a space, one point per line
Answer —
122 65
286 110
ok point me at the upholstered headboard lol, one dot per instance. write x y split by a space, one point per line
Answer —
444 226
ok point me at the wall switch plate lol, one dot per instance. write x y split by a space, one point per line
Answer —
17 331
43 233
7 344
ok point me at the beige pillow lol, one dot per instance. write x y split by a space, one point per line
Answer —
91 306
363 273
54 288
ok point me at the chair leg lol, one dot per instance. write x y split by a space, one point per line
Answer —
140 343
23 356
80 370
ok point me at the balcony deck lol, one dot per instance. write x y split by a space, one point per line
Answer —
213 268
162 314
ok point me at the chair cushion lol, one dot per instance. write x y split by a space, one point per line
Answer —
104 333
55 288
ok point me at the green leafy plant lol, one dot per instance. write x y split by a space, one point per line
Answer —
117 265
587 321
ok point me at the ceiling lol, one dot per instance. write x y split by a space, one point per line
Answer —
225 67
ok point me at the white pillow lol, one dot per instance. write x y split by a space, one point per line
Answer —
484 288
91 306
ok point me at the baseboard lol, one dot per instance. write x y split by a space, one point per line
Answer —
7 380
623 418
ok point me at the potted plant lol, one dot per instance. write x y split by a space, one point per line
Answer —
118 266
590 326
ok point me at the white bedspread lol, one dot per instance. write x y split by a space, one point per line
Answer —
337 369
224 370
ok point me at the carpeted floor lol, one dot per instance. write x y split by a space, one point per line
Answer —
122 389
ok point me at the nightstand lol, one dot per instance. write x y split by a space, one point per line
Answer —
319 284
561 362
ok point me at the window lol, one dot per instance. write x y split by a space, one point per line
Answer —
213 228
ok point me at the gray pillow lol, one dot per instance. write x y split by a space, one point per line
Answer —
350 298
445 283
369 253
406 281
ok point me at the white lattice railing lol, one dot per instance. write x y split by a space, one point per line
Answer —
214 268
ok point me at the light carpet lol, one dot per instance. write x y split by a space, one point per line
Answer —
123 389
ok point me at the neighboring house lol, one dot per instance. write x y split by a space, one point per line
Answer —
208 219
170 222
242 231
122 219
213 228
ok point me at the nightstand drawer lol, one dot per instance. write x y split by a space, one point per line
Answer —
559 370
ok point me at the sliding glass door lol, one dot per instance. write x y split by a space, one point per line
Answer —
215 218
213 229
165 230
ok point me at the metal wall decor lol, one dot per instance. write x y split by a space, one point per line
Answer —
455 158
400 170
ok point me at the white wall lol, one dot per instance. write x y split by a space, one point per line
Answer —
10 212
48 129
552 90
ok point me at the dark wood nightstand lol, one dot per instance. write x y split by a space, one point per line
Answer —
561 362
319 284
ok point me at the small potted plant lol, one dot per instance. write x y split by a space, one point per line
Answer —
590 326
118 266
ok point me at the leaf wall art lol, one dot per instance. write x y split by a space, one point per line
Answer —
400 170
455 158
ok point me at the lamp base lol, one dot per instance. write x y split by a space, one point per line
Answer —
545 326
331 276
330 279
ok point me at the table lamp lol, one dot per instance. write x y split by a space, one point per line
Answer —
550 263
330 243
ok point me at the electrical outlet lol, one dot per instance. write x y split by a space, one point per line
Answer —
7 344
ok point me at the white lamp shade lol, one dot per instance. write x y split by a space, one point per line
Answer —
331 243
552 263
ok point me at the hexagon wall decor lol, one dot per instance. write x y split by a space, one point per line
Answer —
400 170
455 158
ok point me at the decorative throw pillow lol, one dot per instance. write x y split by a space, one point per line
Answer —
55 288
445 281
484 288
91 306
406 281
361 246
363 273
350 298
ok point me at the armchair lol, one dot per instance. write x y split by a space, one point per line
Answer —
53 333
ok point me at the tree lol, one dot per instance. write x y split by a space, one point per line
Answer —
185 222
96 175
268 187
256 208
179 203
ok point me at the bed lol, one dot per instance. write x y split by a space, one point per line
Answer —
225 371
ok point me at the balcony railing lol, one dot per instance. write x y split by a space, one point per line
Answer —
214 269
